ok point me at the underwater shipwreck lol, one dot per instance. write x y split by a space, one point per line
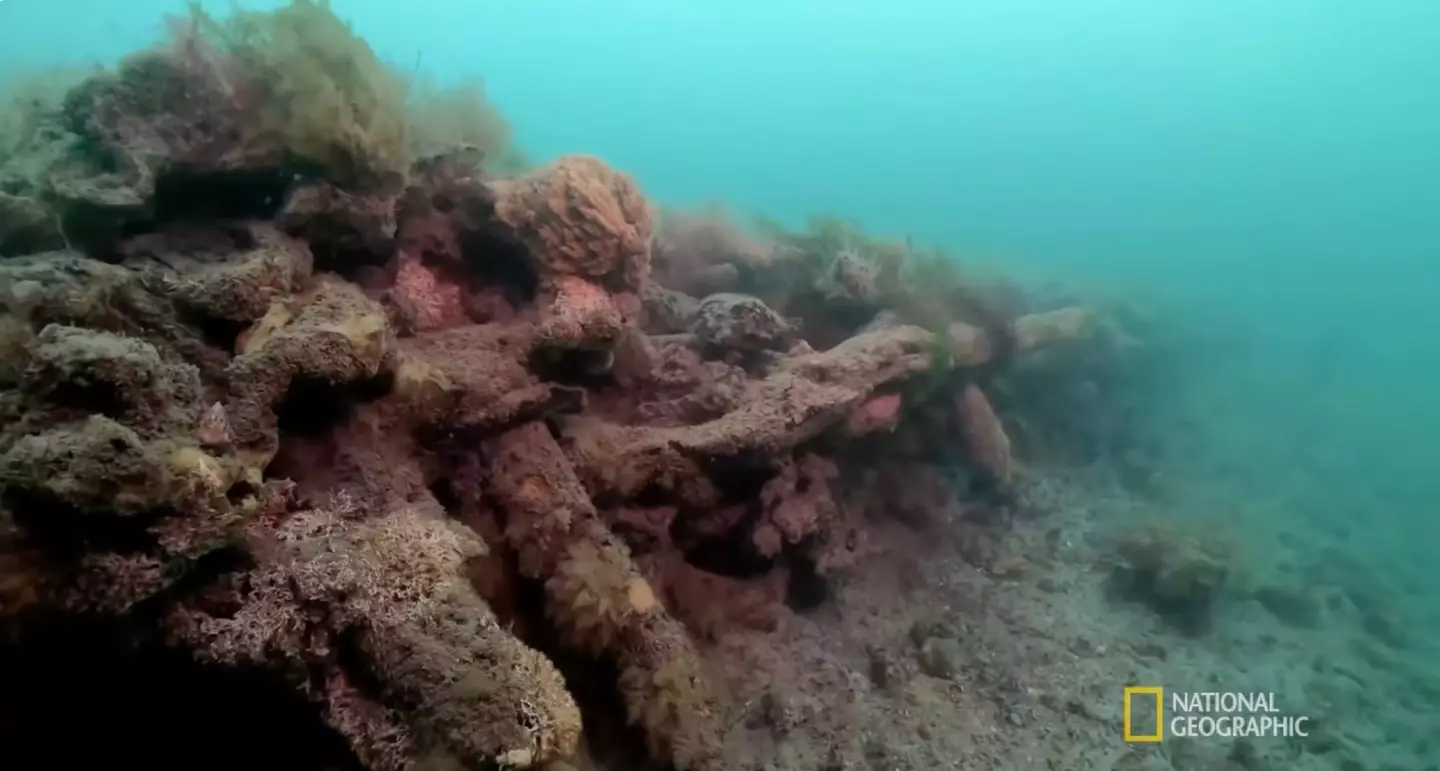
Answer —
327 449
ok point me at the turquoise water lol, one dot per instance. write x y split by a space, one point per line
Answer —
1267 173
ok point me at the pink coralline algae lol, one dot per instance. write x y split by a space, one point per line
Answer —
881 413
582 314
433 302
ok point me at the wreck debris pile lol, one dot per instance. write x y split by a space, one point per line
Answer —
292 432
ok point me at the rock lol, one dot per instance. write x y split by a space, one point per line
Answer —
777 713
579 217
340 225
940 657
878 667
666 311
1182 576
923 630
737 322
27 226
801 399
986 443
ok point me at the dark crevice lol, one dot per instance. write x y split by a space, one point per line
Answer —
652 496
495 258
808 589
54 526
205 571
239 491
740 478
89 396
312 407
346 262
574 367
729 554
445 494
139 705
200 195
732 556
217 333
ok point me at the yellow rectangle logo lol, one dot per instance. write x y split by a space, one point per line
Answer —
1145 691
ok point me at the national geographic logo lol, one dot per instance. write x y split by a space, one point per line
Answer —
1139 700
1227 714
